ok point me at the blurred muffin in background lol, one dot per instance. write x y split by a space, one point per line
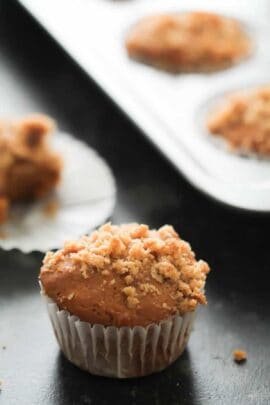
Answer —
29 169
188 42
243 120
122 300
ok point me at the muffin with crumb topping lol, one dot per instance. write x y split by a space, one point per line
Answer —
29 167
243 121
194 41
122 300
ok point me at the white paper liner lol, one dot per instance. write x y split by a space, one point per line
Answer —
86 198
123 352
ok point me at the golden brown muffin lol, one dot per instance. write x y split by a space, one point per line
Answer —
194 41
125 276
243 120
29 169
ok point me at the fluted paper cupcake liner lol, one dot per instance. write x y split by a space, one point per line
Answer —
121 352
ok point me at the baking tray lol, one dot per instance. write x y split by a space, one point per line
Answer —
169 109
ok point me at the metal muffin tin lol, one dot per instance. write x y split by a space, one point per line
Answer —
169 109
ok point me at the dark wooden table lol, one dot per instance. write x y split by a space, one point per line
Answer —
36 75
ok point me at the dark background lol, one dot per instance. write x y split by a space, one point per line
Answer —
35 75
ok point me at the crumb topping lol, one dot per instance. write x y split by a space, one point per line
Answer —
239 355
244 121
188 41
83 270
144 263
129 279
148 288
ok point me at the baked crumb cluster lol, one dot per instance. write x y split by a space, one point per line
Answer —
239 356
142 263
244 121
28 167
188 41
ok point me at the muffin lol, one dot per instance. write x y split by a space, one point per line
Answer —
193 41
122 300
29 169
243 120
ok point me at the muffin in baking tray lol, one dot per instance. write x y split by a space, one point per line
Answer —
191 41
243 121
29 169
122 300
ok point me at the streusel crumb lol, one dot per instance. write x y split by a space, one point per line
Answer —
120 269
239 356
244 121
194 41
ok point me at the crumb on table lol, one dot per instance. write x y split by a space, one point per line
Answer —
239 356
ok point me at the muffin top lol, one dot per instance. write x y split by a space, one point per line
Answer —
125 275
25 138
188 41
244 121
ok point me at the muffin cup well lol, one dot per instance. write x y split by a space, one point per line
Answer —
121 352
